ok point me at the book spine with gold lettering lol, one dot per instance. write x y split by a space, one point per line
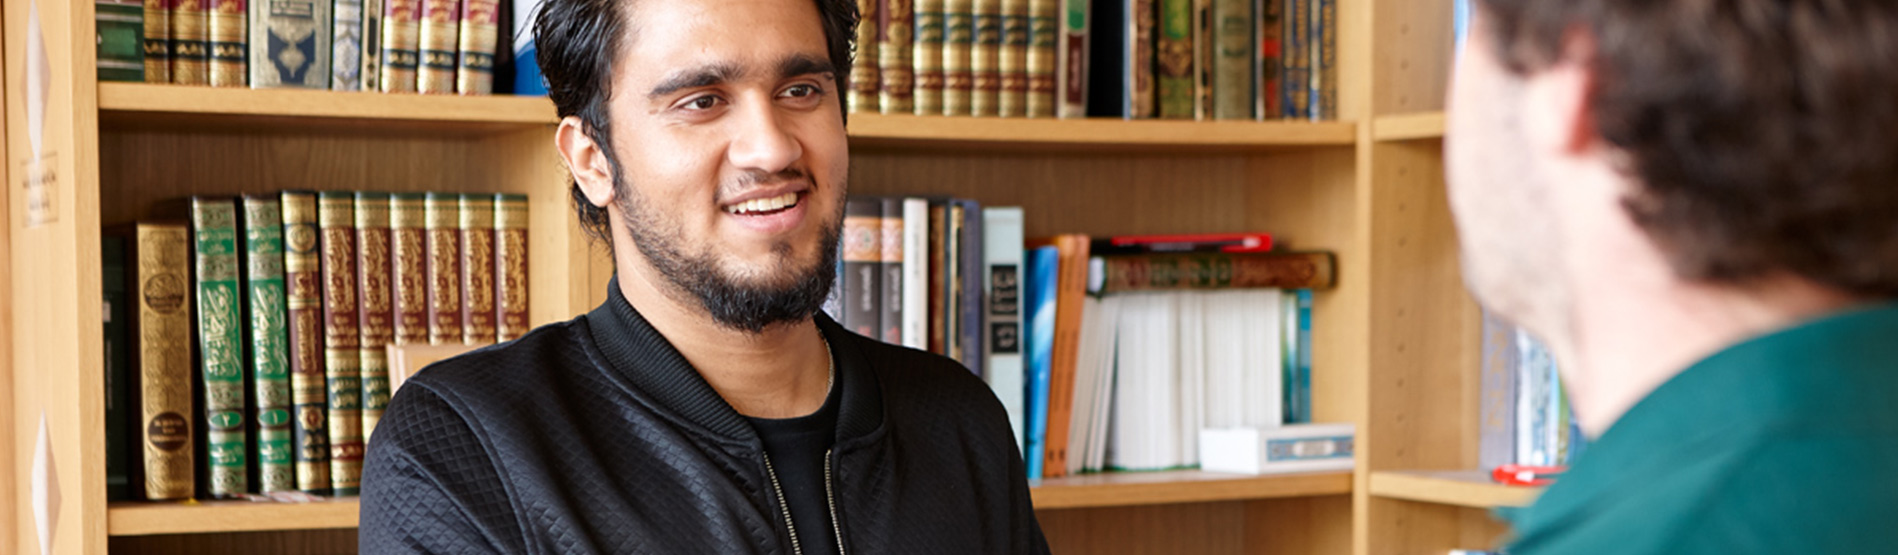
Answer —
958 53
190 42
510 266
985 60
441 30
442 224
1174 60
229 34
346 46
220 344
895 46
1044 31
1072 63
264 302
162 351
342 338
408 257
309 391
926 57
401 45
1296 56
1013 63
1233 50
1141 21
477 269
371 68
865 80
290 42
378 305
157 41
119 26
474 62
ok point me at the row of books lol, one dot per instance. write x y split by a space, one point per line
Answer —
1169 59
403 46
246 349
1526 416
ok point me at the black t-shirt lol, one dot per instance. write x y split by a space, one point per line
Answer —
797 448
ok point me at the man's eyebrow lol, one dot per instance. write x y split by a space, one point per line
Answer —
701 76
800 64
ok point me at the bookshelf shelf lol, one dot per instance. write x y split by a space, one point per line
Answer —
137 518
1113 489
1093 135
1462 488
174 106
1408 127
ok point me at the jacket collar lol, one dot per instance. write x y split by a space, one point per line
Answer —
642 356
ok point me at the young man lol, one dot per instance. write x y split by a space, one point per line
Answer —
705 407
1696 203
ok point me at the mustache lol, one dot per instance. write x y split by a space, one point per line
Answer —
756 178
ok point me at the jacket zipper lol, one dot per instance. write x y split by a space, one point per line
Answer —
830 496
785 504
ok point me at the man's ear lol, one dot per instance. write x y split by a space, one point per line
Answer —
586 160
1557 115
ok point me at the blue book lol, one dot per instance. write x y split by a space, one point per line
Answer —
527 80
1460 22
1039 293
1298 368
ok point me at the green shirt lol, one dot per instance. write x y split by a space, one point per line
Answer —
1786 443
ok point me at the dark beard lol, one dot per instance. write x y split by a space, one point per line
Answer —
747 307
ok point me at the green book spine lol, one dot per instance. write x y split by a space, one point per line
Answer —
1297 59
958 51
121 38
865 81
342 340
269 340
378 305
1232 59
1294 270
1175 59
220 344
157 41
303 295
927 56
1044 31
1014 59
118 364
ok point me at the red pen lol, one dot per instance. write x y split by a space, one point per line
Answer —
1527 475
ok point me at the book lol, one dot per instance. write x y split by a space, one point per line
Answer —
862 258
266 311
890 260
376 324
1071 60
1324 60
290 43
119 28
1013 64
968 291
408 259
1070 288
220 343
527 79
985 60
926 57
1143 89
1295 59
229 35
1267 93
1198 242
1002 349
1108 81
157 41
896 86
1044 31
441 42
401 45
342 338
915 279
952 221
372 23
477 269
1271 450
1297 360
958 53
1297 270
480 32
162 354
865 83
1174 60
1204 49
309 389
190 42
1234 24
510 266
1496 397
441 214
118 375
1039 302
940 303
346 46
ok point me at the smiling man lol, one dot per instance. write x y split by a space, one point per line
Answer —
707 406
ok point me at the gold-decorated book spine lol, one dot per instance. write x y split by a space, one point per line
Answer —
163 351
309 391
269 347
985 60
157 41
958 52
378 305
229 33
190 42
474 63
865 81
290 43
1044 31
926 58
371 68
441 29
510 266
342 338
442 221
477 269
1014 58
895 44
220 344
401 45
408 256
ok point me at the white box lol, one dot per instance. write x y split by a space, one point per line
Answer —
1290 448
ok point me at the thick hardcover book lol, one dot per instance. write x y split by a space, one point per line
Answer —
1324 59
377 323
510 266
895 52
408 255
1002 279
309 391
401 44
958 53
1266 59
527 78
1142 89
863 252
261 222
157 41
162 357
191 42
969 291
985 59
939 304
342 338
441 31
1013 64
346 46
1296 270
1070 288
120 31
1109 77
480 32
290 42
926 57
1044 31
477 269
371 73
1071 62
1295 59
118 364
220 343
1174 61
865 82
915 273
890 258
1233 26
441 213
1039 306
230 36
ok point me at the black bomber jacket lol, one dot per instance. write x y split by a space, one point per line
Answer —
595 436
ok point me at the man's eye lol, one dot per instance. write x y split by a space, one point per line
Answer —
706 102
801 91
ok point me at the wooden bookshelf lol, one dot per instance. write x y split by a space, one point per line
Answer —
200 517
1094 135
1408 127
1113 489
1468 488
162 104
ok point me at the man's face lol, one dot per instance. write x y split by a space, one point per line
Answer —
730 142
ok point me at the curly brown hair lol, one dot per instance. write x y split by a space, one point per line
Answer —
1763 133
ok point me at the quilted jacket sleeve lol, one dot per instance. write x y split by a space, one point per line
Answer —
429 487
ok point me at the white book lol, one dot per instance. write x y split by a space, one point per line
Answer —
1096 344
916 273
1190 375
1102 417
1263 364
1002 258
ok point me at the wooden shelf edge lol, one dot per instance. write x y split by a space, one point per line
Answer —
979 133
1408 127
321 104
1468 488
1185 486
146 518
